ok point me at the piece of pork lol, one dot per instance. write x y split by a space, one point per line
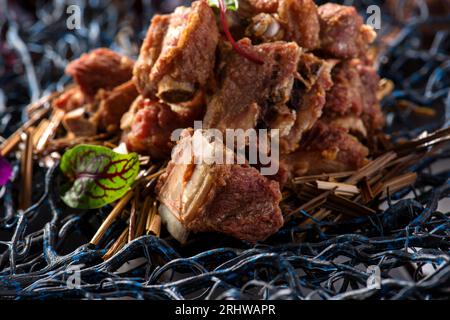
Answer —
301 21
245 87
250 8
205 196
307 98
113 105
325 149
100 69
70 100
178 54
336 31
372 115
148 125
350 123
354 93
342 32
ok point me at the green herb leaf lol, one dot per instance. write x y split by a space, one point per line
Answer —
98 175
232 5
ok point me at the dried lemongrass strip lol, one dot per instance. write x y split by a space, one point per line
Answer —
9 144
26 170
311 204
111 217
50 131
119 244
427 140
385 87
338 188
332 201
37 134
408 159
153 226
151 208
347 206
155 175
141 221
150 179
424 111
324 176
150 170
420 110
367 194
371 168
398 183
133 220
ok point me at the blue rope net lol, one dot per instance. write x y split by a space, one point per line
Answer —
43 250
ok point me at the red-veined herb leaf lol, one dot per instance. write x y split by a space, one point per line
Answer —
5 171
98 175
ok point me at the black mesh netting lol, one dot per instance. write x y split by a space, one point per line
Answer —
42 248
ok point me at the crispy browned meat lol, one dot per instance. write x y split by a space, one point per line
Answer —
280 117
245 86
308 98
325 149
228 198
347 94
149 125
301 21
342 32
351 123
248 8
70 100
372 116
178 54
113 105
354 94
336 31
100 69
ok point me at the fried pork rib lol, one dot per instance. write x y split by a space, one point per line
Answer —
342 32
113 104
301 21
178 54
325 148
103 93
248 8
148 125
228 198
70 100
246 87
333 30
307 98
353 96
100 69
